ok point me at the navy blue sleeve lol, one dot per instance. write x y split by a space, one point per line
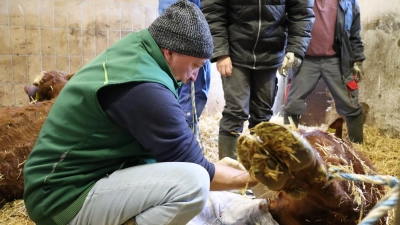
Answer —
164 4
152 114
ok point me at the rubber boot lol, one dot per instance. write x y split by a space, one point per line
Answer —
227 146
295 119
355 128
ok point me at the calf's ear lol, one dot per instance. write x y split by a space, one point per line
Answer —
336 127
26 89
69 76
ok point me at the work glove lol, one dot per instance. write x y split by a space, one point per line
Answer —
358 71
289 61
226 161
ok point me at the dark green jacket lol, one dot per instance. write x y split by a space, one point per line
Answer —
78 144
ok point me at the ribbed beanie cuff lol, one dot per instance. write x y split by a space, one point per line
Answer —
182 28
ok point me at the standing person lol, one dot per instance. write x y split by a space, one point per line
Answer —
201 85
249 45
115 144
335 53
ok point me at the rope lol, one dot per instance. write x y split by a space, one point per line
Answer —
382 206
195 127
194 111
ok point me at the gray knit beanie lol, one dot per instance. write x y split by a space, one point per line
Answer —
182 28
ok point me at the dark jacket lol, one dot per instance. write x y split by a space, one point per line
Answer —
348 43
254 33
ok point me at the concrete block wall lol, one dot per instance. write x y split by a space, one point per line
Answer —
39 35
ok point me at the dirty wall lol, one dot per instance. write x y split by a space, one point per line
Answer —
381 86
37 35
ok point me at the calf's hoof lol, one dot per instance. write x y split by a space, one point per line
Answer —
272 153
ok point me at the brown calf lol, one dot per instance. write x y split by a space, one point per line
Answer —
296 163
47 85
19 129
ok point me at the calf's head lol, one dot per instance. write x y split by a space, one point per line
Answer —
47 85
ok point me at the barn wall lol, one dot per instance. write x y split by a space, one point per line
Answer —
37 35
381 86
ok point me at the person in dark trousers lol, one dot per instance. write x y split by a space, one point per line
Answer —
115 144
201 85
335 54
251 39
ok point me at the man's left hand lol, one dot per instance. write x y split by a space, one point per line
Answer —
290 61
358 71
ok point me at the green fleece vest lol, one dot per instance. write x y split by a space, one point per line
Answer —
78 144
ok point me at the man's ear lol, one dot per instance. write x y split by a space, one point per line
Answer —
167 54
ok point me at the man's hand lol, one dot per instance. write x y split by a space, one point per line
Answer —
230 175
358 71
231 163
290 61
224 66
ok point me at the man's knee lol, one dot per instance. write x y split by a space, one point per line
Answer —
198 184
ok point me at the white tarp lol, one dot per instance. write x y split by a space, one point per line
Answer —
228 208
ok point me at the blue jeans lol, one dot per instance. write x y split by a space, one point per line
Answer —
158 193
201 86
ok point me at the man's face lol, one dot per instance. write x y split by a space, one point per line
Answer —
183 67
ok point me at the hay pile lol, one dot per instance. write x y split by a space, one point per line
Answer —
382 150
14 213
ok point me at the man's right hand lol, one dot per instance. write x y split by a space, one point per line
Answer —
224 66
229 178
